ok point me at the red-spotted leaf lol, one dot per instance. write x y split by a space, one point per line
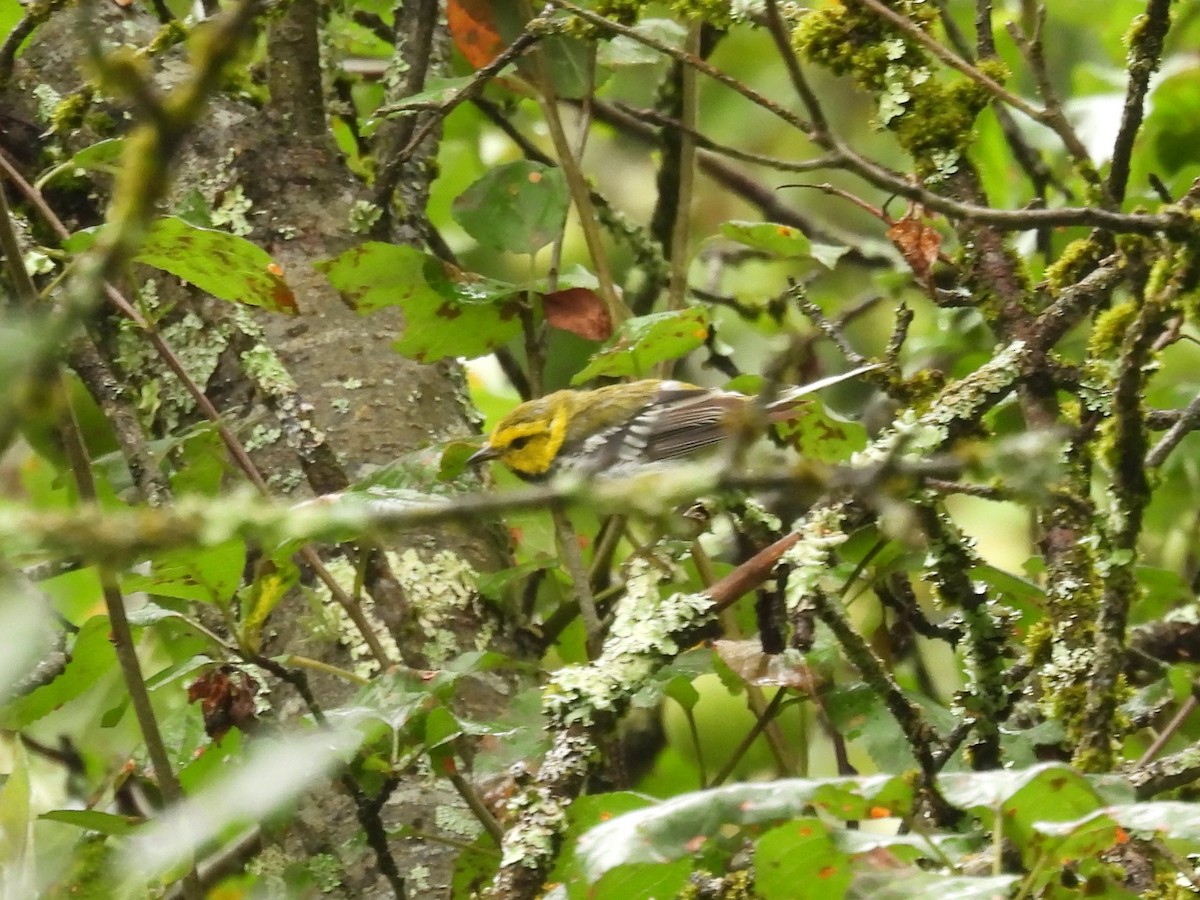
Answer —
448 312
517 208
219 263
799 861
770 237
678 827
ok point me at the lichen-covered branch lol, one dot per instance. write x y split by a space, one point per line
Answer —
950 558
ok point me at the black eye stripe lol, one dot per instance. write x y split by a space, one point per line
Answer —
518 443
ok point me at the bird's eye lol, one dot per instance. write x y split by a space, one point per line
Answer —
518 443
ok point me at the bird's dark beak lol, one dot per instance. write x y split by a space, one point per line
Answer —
483 454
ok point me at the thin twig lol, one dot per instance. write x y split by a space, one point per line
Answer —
1188 421
704 142
568 546
1172 728
522 43
1145 56
1053 108
686 165
471 797
768 714
580 193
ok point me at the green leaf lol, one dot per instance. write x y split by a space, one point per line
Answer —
517 208
858 712
769 237
673 829
1009 584
219 263
225 265
1166 818
625 51
816 434
206 575
643 342
1020 800
800 861
570 65
100 156
92 820
1174 120
474 868
890 884
16 828
584 814
642 880
271 583
448 312
437 90
494 585
92 658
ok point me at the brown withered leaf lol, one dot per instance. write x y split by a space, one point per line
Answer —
580 311
226 698
918 241
748 661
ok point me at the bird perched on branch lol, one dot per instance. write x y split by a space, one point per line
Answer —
624 426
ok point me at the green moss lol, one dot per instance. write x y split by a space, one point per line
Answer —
170 35
939 123
1067 704
1076 260
623 12
739 886
1110 329
68 114
1166 887
714 12
855 43
717 13
101 123
922 388
933 119
1039 641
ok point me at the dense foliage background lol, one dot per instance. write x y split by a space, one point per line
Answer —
270 269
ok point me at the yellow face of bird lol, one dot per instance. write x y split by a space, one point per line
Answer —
528 439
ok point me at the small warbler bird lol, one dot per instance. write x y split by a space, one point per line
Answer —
623 426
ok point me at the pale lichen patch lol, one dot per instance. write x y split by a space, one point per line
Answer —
440 589
644 632
458 820
809 560
363 660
